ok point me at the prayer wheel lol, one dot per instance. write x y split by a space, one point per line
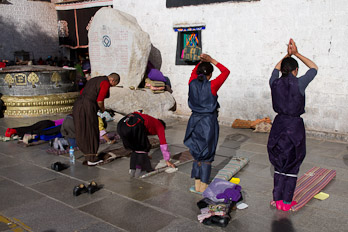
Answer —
37 90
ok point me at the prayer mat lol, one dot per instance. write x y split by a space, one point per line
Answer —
116 153
32 143
178 159
60 152
309 185
231 169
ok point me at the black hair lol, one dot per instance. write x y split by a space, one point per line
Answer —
203 70
288 65
163 123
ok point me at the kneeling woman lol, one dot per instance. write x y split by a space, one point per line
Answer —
202 131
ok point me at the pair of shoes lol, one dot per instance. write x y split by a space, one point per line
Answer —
132 172
81 188
58 166
287 207
279 204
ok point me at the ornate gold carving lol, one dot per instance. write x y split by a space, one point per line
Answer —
20 79
20 106
9 80
33 79
56 78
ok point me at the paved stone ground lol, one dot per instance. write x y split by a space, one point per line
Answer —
35 198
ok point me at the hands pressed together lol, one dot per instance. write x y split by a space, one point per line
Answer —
292 48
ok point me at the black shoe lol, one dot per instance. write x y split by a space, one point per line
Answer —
81 188
93 187
217 221
58 166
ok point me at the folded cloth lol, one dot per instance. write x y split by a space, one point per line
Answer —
203 216
239 123
263 127
105 115
258 121
216 187
157 91
217 208
155 83
149 86
204 210
230 194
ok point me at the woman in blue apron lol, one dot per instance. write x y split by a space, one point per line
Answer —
202 131
287 140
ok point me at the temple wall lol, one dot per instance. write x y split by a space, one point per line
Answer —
30 26
249 38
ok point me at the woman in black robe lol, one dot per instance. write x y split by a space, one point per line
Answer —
287 140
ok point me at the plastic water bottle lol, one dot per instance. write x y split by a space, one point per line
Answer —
71 155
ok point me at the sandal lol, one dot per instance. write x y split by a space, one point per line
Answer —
93 187
193 190
79 189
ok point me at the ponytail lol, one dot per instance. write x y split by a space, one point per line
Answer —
201 77
204 70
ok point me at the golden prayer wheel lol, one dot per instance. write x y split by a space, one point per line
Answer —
37 90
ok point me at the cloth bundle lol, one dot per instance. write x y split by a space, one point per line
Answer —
219 199
260 125
222 191
231 168
155 86
213 210
106 114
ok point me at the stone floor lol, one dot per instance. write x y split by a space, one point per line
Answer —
35 198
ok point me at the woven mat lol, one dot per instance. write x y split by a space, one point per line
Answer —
310 184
